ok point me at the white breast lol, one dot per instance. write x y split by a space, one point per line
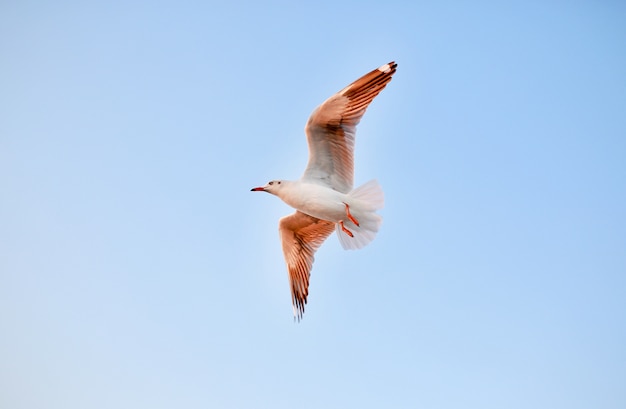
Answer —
316 200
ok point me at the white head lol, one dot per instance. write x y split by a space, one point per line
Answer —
273 187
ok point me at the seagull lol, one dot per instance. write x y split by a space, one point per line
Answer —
323 197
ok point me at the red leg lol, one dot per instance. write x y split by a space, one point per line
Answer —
352 219
348 232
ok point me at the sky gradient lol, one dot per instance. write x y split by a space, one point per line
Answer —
137 270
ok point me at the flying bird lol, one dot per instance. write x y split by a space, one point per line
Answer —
324 197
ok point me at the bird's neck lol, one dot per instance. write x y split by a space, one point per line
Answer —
288 191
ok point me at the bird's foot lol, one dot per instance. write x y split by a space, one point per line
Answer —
352 219
343 228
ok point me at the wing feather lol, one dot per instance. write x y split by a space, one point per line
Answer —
301 236
331 129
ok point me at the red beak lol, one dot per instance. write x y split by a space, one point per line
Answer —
257 189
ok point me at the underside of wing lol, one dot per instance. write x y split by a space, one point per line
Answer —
331 129
301 236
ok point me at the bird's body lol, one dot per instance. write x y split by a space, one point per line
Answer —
315 200
324 197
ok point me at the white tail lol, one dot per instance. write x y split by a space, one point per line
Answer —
363 202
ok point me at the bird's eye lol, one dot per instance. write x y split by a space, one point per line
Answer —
271 183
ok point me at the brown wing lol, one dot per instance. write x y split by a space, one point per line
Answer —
301 236
331 129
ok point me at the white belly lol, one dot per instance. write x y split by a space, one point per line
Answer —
318 201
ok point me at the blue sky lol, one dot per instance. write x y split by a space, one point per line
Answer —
137 270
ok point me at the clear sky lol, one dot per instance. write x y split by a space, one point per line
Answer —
137 270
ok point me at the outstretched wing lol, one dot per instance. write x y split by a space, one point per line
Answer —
301 236
331 130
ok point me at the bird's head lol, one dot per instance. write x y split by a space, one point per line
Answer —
273 187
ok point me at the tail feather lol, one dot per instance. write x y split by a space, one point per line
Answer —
370 192
363 201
